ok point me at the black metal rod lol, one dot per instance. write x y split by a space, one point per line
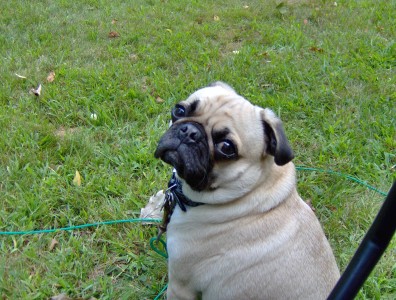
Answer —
369 252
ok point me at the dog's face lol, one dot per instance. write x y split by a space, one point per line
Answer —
221 145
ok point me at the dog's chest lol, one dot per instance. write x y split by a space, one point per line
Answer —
200 252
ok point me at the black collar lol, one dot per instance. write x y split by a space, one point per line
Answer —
175 195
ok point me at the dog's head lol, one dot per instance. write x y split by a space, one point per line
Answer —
221 145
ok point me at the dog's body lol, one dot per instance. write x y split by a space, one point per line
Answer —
252 237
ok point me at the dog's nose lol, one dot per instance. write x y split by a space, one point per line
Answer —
188 133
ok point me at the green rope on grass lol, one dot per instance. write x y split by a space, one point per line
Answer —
164 254
80 226
301 168
161 292
112 222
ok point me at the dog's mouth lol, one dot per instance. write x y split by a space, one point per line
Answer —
184 146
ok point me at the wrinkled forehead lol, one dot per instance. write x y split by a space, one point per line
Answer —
213 100
212 91
223 110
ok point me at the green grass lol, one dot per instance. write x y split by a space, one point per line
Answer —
328 71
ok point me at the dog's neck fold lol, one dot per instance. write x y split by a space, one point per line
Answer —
267 194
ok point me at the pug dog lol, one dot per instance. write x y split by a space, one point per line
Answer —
241 230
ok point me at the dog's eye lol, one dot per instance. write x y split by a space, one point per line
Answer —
226 149
178 112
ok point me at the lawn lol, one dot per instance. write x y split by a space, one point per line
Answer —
327 68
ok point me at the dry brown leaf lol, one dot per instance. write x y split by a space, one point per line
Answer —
61 297
62 131
113 34
36 91
77 179
264 54
159 100
333 208
53 244
133 57
267 85
51 76
199 20
316 49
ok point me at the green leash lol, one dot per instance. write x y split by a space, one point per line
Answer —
370 187
112 222
153 246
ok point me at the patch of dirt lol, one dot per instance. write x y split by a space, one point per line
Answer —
61 132
97 272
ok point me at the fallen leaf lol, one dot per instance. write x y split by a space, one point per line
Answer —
332 208
199 20
264 54
53 244
159 100
62 131
61 297
77 179
267 85
316 49
133 57
169 30
114 21
51 76
20 76
216 18
113 34
36 91
246 6
305 21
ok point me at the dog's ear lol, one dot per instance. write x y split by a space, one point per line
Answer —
276 142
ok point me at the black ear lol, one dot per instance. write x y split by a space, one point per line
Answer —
276 142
